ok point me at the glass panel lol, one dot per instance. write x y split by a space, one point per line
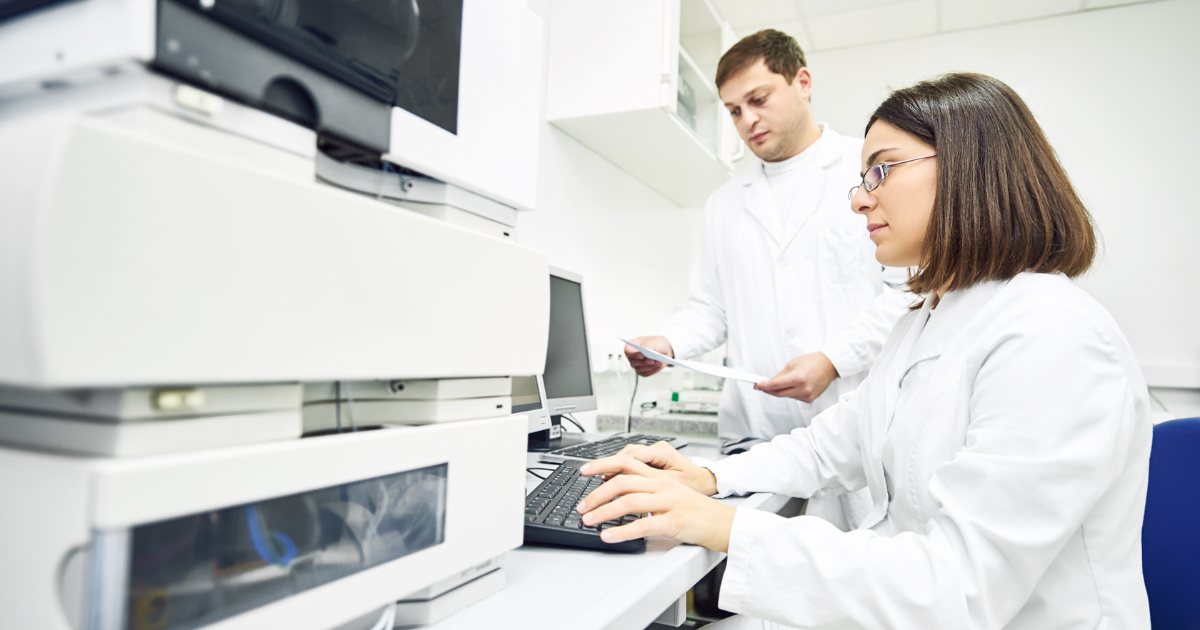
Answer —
697 104
397 51
198 569
525 396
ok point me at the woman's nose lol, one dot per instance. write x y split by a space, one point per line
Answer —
861 201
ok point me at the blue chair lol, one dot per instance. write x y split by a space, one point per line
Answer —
1171 530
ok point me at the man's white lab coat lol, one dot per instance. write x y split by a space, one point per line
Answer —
816 286
1006 452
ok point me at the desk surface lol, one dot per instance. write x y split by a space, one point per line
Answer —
551 587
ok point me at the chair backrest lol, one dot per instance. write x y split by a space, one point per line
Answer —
1171 530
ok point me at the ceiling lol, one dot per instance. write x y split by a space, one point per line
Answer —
827 24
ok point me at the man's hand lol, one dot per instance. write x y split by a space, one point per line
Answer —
663 460
676 510
642 365
803 378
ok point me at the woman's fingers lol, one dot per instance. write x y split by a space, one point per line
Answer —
629 448
658 455
621 463
638 503
677 511
609 490
641 528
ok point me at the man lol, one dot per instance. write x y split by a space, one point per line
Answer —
786 273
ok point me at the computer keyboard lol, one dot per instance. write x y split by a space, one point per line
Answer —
607 446
551 517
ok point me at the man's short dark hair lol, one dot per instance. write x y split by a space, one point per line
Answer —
779 50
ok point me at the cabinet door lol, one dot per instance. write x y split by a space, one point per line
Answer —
621 82
610 56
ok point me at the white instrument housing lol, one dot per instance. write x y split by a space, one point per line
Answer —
137 247
494 152
61 502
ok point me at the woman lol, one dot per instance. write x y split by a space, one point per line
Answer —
1003 432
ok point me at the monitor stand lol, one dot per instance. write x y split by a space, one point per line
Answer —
554 437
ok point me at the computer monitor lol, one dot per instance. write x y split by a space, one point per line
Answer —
568 372
528 397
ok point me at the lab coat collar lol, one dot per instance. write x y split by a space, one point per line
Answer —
759 201
951 316
899 366
758 190
931 334
827 147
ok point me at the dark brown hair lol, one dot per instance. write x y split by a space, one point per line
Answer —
779 50
1004 204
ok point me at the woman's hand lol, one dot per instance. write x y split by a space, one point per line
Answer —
662 459
676 510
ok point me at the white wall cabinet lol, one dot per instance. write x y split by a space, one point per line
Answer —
633 80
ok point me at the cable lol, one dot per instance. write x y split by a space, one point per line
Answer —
574 422
1155 399
629 415
337 404
530 471
350 407
260 545
387 619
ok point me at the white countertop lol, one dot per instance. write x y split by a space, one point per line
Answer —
555 588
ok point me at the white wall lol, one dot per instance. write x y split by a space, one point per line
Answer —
633 247
1116 91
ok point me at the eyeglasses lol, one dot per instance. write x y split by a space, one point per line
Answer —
876 174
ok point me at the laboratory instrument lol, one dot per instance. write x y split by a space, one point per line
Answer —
187 243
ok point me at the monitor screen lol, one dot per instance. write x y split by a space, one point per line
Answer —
568 372
525 396
397 52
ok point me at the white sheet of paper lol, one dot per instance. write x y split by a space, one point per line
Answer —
705 368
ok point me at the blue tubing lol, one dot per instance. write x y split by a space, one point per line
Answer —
260 545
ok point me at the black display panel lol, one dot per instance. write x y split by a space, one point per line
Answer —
402 52
568 367
198 569
9 8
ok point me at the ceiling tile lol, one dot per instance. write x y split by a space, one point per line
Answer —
959 14
822 7
895 20
747 13
795 28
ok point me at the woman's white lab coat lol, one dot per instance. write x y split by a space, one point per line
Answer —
1006 453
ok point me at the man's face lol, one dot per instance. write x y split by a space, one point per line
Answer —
770 114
